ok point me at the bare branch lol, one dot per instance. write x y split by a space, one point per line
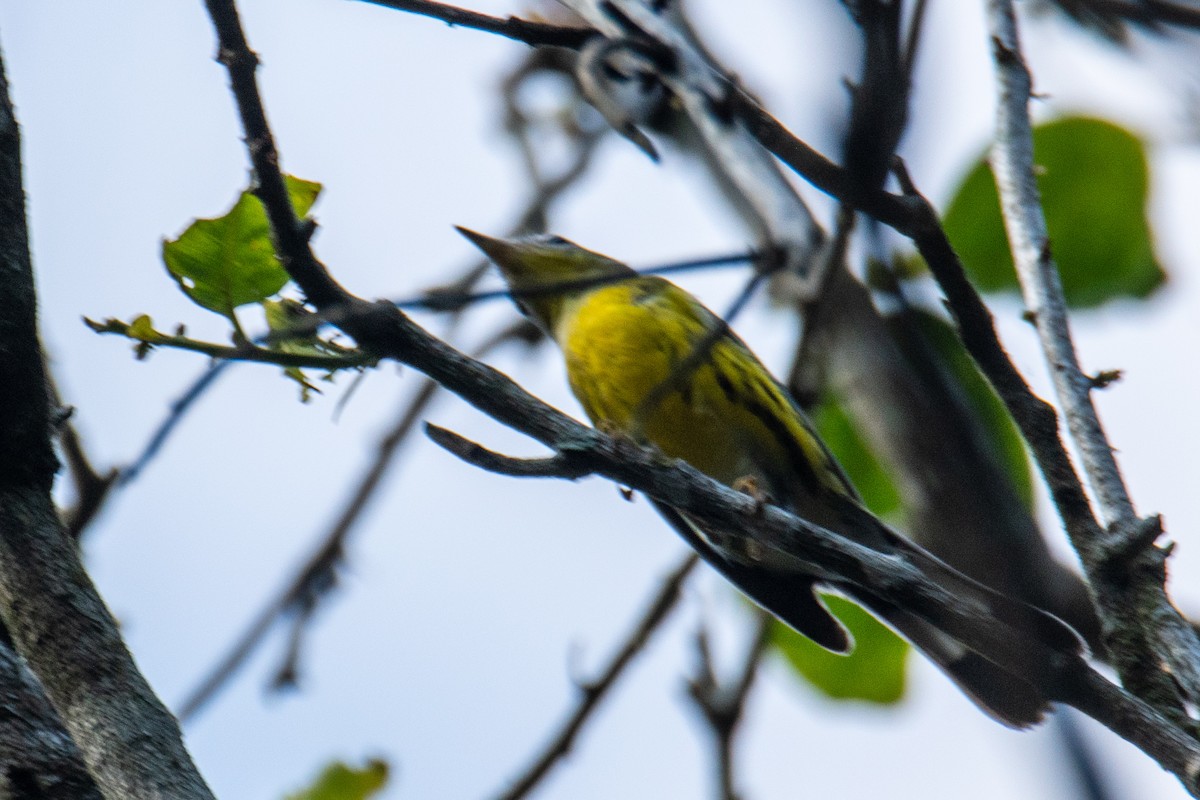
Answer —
1013 164
723 703
1153 647
662 39
38 758
560 465
91 488
531 33
291 237
58 623
1110 14
593 692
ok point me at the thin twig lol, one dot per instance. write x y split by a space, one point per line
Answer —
176 412
91 488
722 704
317 575
248 350
531 33
452 299
1152 13
559 465
912 42
1083 758
593 692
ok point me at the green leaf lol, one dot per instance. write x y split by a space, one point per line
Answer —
878 491
989 409
874 672
230 261
340 782
1094 184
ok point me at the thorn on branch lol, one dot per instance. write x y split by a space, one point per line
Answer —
306 228
900 170
1003 52
1105 378
1046 252
567 463
1130 542
59 416
231 58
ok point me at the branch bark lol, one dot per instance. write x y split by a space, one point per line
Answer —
1153 647
38 758
58 623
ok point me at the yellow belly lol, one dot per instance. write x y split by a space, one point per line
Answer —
618 349
727 417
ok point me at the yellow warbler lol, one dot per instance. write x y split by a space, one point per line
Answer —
646 358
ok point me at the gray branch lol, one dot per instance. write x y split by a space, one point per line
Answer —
745 172
38 758
131 744
1153 646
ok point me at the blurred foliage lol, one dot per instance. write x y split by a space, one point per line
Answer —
341 782
875 671
981 400
879 492
1094 185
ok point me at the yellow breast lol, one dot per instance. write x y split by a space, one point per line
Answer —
620 343
728 417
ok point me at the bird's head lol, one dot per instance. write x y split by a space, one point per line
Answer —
543 271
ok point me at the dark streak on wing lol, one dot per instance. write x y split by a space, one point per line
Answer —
773 422
725 385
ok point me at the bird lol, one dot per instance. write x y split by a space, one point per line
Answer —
647 360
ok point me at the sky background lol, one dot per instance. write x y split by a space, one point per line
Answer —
470 600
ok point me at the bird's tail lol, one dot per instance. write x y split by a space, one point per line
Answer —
1018 699
1004 654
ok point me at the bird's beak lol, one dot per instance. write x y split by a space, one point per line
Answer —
503 252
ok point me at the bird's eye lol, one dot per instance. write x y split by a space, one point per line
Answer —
557 240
